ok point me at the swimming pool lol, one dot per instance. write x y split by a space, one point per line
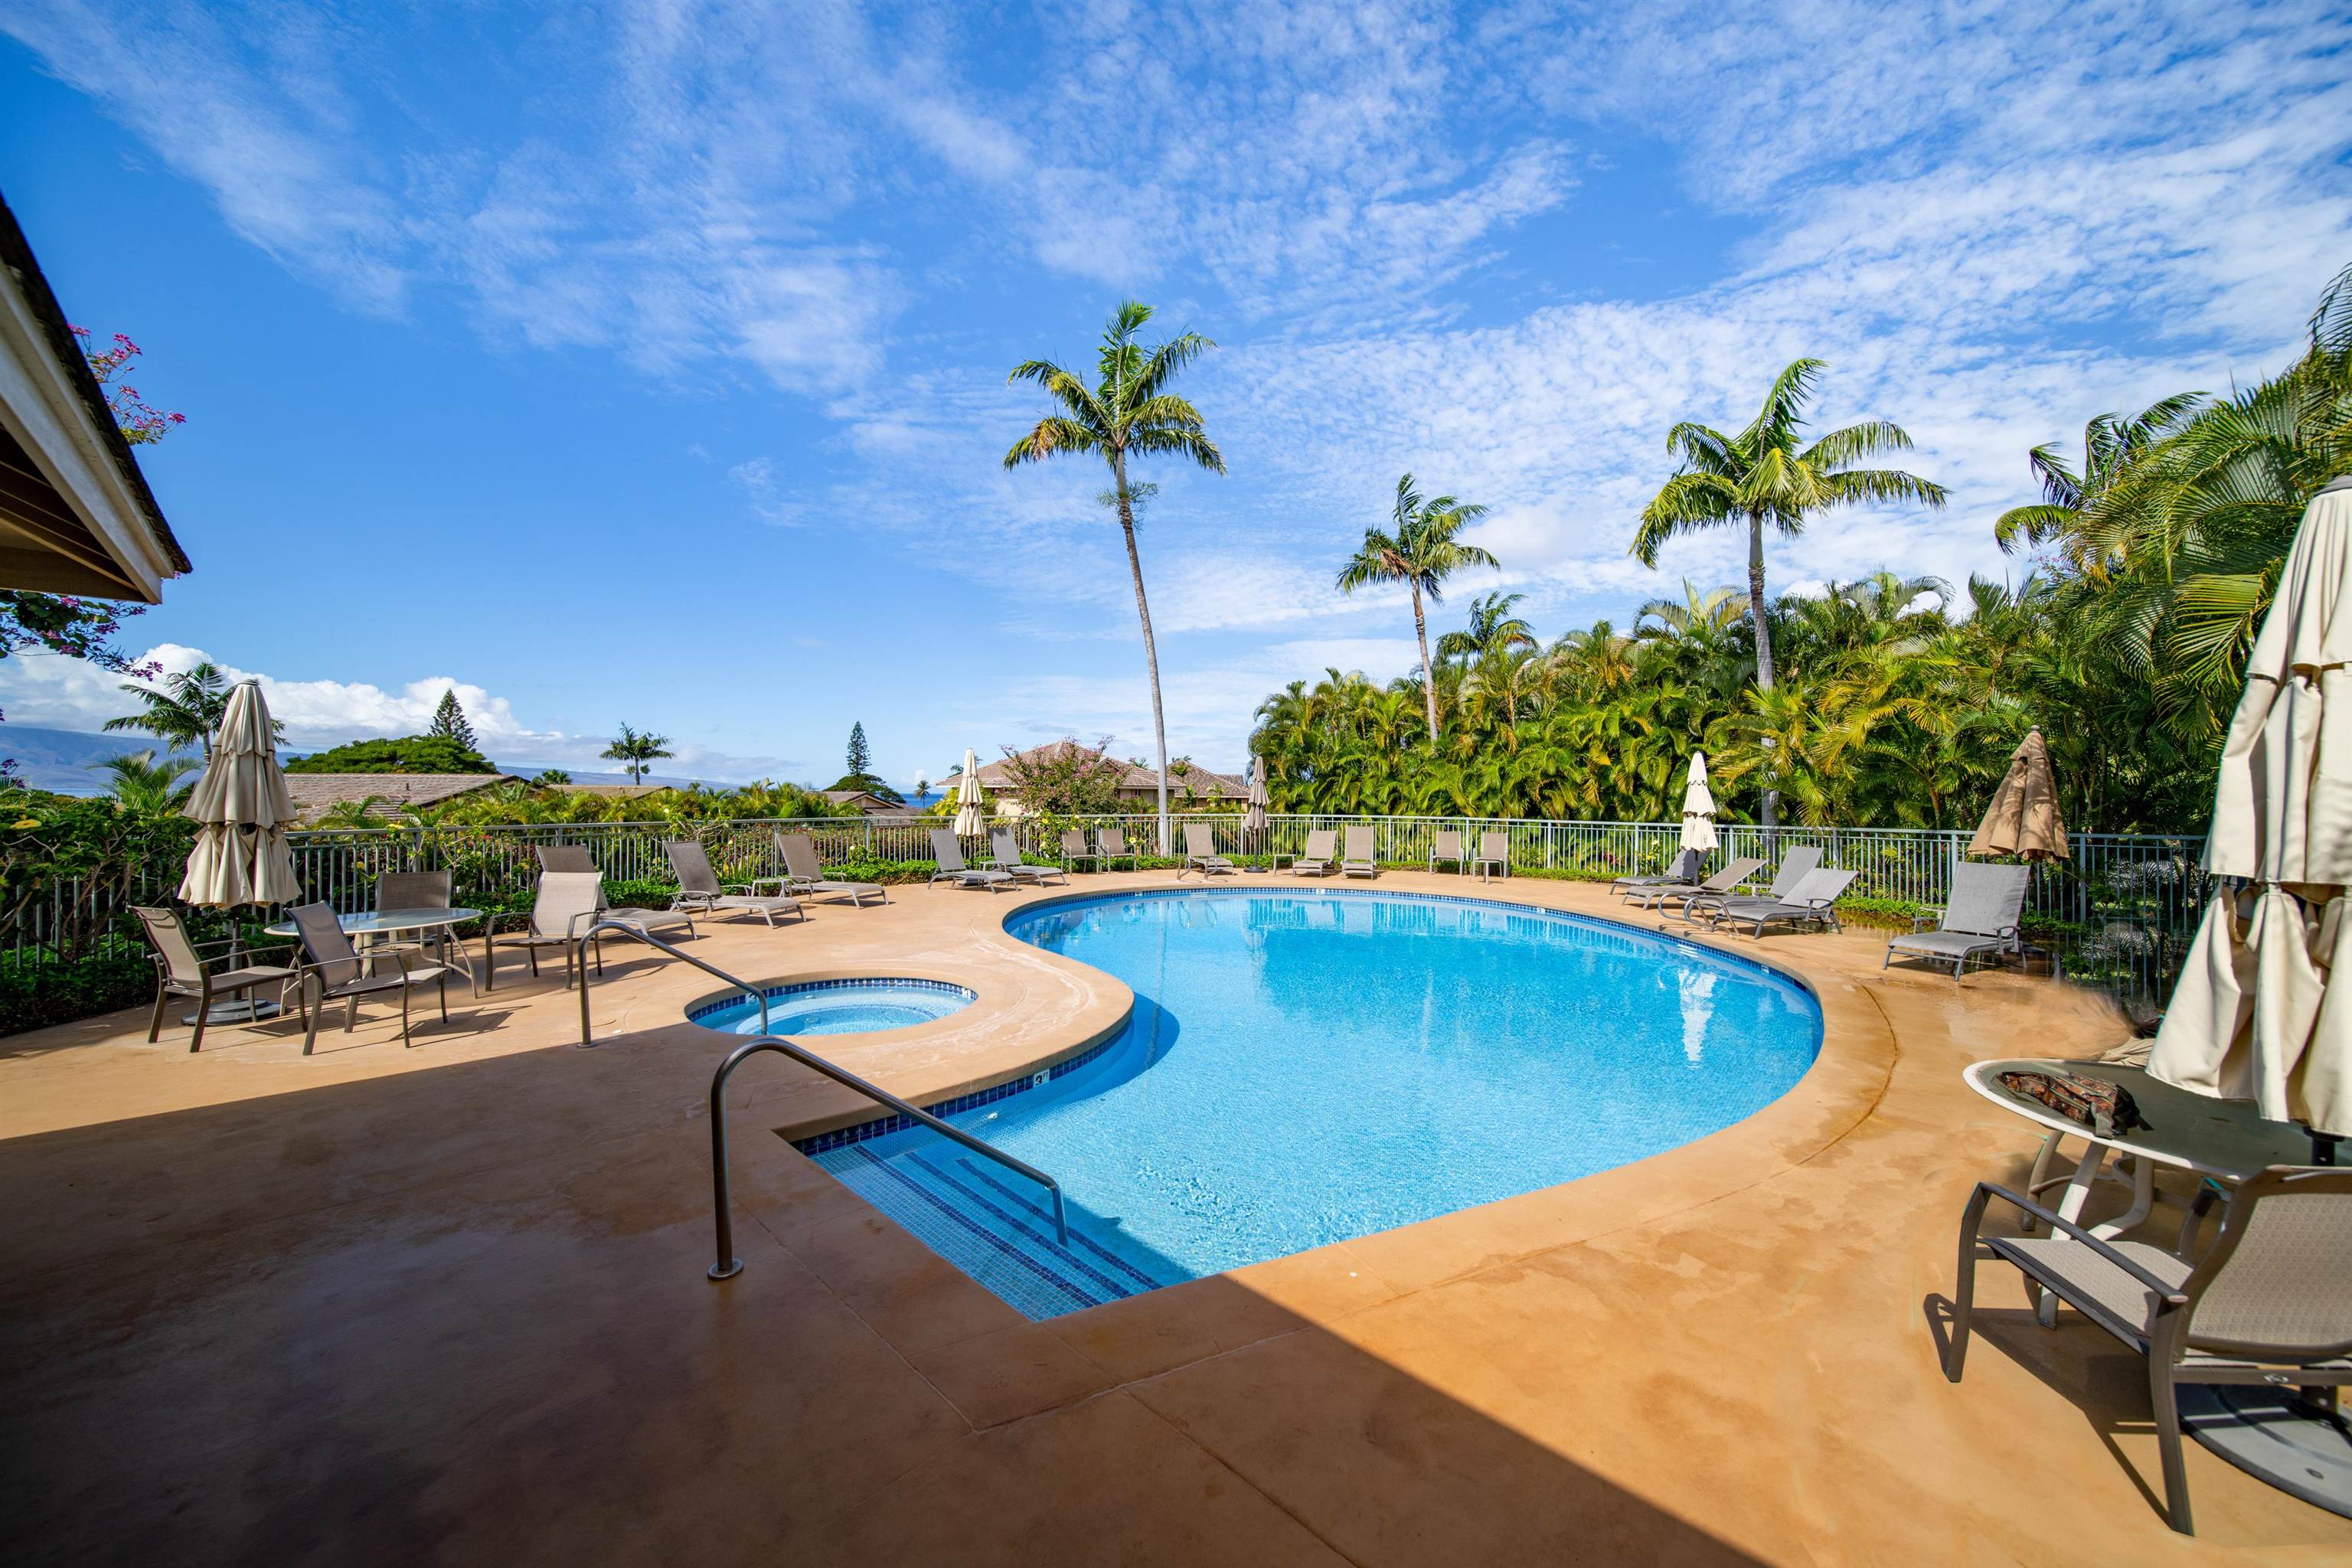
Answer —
1305 1065
836 1006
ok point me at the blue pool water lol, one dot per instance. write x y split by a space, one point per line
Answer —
1304 1066
836 1007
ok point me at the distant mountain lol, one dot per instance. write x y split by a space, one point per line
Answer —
65 761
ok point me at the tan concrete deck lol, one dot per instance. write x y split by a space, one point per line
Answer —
447 1304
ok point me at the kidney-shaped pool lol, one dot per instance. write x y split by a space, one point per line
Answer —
1304 1066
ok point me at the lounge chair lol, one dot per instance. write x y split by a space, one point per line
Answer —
1795 867
1447 844
336 972
564 905
947 850
182 970
1358 861
1689 864
1812 901
1004 854
1110 844
1987 901
1200 852
575 857
1494 854
1716 887
2268 1301
699 891
806 874
566 857
1320 856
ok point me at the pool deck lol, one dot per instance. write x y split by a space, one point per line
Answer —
447 1305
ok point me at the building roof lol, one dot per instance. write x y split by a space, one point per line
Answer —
997 776
317 793
866 800
76 514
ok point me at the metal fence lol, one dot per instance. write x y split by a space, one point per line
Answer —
2120 912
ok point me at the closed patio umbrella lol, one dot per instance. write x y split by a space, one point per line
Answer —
241 855
969 799
1253 817
1698 807
2023 821
2254 1017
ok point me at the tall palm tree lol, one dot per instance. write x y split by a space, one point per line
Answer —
1423 548
184 710
636 751
1494 621
142 786
1763 476
1128 412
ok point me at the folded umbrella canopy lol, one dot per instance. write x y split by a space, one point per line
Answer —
968 822
2255 1016
1253 817
241 803
2024 822
1698 807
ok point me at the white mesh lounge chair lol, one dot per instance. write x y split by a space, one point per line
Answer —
182 970
1321 857
1110 844
2269 1301
575 857
335 971
1494 854
805 873
564 904
1812 901
1004 854
699 891
1447 844
947 851
1987 901
1795 867
1720 885
1688 865
1358 861
1200 852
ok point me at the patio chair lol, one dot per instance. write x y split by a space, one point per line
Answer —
183 970
336 972
1795 865
1074 849
576 858
438 944
1688 865
1719 886
947 850
1987 901
1110 844
1447 844
1812 901
699 891
2268 1302
1358 861
1494 854
1004 854
806 874
1201 853
564 905
1321 857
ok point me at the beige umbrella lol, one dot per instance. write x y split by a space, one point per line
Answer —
241 855
1698 807
2254 1017
969 799
2024 822
1253 817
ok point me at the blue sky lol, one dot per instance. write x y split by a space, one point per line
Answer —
646 363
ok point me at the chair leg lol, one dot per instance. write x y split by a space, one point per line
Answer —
1964 1288
350 1011
311 1013
204 1009
405 1042
2168 1445
532 953
444 998
155 1018
489 963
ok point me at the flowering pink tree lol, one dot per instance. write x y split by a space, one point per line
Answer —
138 423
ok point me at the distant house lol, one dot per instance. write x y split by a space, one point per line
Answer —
318 794
869 804
1138 786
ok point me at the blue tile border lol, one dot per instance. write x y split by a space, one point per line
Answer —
861 982
842 1137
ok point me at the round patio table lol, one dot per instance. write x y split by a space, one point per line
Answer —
367 928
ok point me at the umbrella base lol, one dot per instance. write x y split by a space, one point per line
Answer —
236 1013
2268 1434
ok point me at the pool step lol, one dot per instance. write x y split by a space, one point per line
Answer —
995 1225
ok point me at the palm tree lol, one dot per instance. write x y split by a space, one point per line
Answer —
1128 412
1423 549
1494 621
1761 476
142 786
635 751
184 711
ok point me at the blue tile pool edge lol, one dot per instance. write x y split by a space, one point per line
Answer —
864 1131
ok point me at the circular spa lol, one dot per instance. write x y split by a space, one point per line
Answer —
1305 1064
836 1006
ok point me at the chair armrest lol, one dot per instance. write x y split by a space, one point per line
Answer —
1927 915
2164 1292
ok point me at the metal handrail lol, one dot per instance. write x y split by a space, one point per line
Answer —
728 1264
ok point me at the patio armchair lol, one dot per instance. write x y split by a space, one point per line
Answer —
1358 861
2268 1302
1201 853
1811 902
1987 904
564 905
699 891
182 969
436 945
1004 854
946 853
1321 856
575 857
1686 868
337 972
1447 844
1795 865
1110 844
1719 886
1074 849
1494 854
803 873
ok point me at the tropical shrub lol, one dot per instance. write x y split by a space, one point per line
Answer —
408 755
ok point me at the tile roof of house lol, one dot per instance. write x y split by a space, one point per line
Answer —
998 775
316 792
